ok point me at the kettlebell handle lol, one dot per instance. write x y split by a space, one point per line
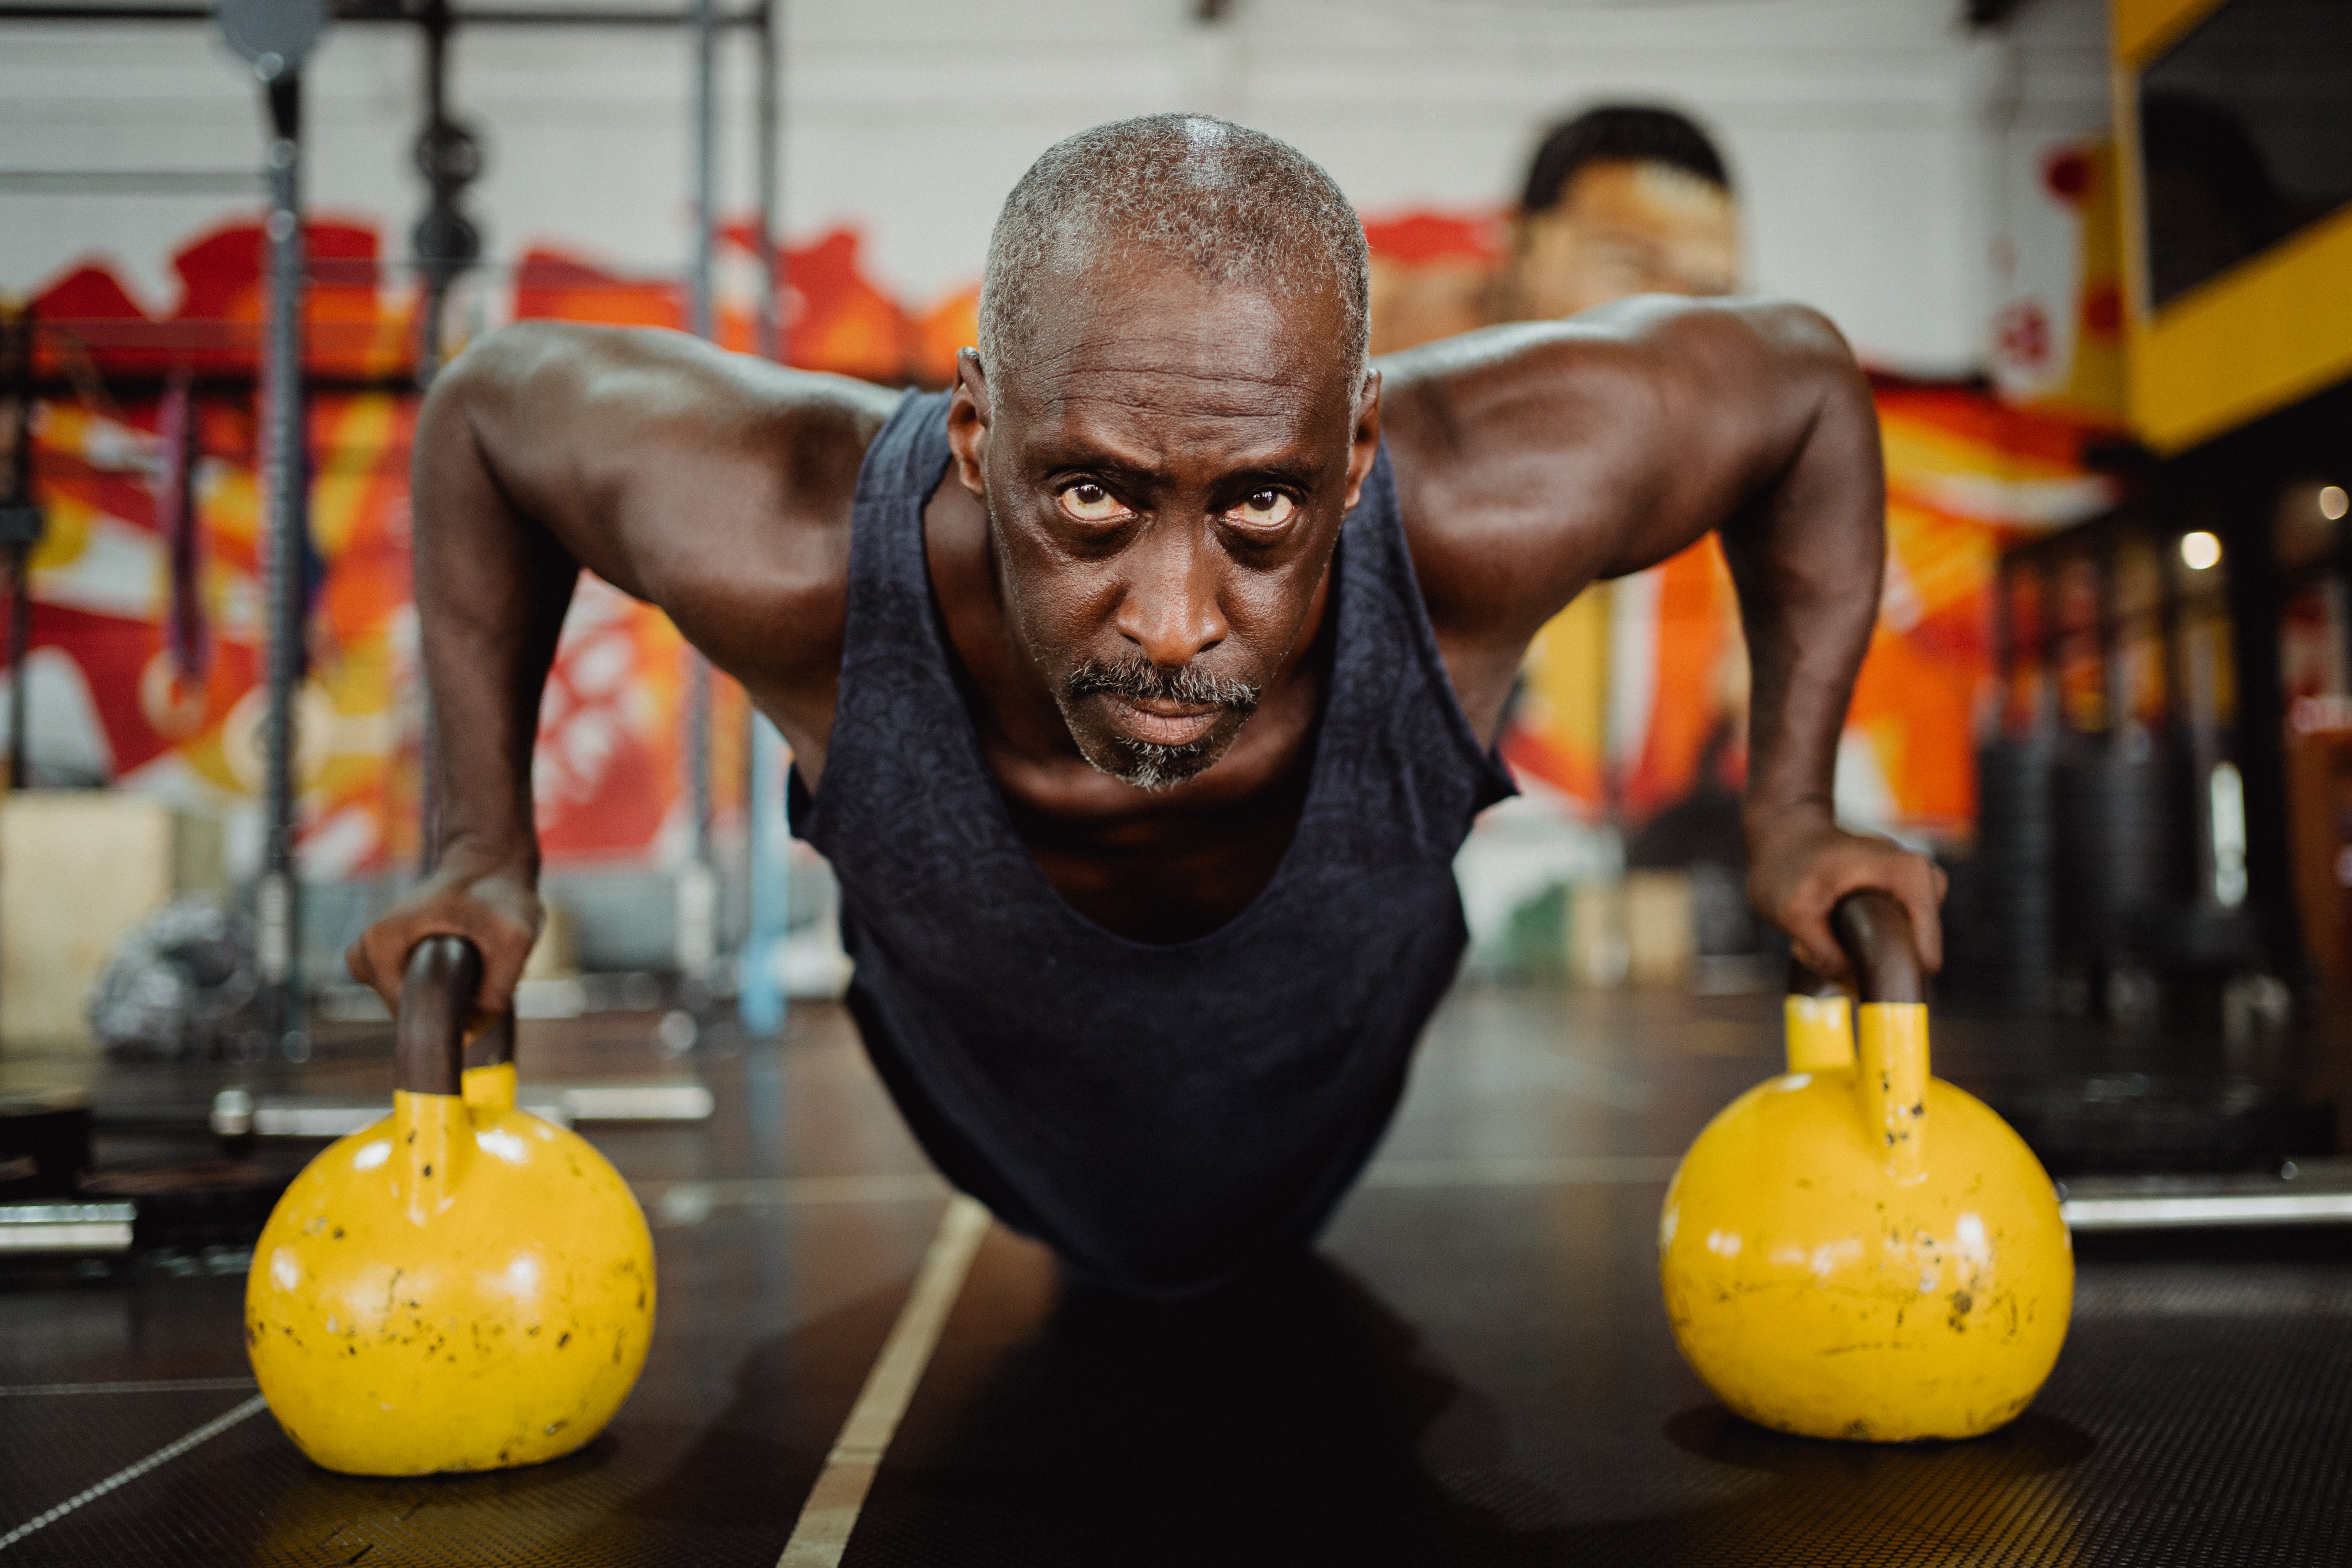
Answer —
430 1048
1874 930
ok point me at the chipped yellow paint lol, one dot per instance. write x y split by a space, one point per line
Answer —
460 1287
1865 1252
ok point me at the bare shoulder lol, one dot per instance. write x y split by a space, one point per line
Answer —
716 485
589 406
1534 458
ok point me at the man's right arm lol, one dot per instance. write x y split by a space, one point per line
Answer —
716 487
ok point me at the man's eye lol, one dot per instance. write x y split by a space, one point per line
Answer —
1264 508
1089 502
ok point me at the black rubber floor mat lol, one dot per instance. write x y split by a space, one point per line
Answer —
2198 1415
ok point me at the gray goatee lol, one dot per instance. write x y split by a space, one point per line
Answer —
1147 765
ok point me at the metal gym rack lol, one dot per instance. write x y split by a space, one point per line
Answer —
275 38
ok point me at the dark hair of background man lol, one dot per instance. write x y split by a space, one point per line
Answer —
1619 133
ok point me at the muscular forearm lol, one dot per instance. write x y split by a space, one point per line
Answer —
1809 553
1806 554
492 585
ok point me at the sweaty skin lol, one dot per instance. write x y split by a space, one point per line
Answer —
1162 478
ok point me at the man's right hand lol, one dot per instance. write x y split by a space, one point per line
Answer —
494 905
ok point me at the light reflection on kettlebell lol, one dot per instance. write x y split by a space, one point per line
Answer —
460 1286
1854 1249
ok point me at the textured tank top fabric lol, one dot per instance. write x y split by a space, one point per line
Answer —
1163 1115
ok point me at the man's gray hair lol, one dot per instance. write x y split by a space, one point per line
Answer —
1237 205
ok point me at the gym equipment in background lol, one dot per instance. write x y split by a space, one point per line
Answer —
22 523
275 38
460 1287
1855 1250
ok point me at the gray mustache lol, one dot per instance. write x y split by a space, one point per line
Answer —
1141 680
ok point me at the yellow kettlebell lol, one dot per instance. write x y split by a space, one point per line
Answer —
460 1287
1855 1250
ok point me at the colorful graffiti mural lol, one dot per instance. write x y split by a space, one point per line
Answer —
114 701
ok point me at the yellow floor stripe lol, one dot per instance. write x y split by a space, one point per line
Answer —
834 1503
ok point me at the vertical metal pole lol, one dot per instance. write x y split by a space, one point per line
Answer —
706 162
20 648
698 892
435 21
449 157
277 904
20 525
759 989
772 285
446 244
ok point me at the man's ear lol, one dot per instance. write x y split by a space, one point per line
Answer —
1365 444
968 421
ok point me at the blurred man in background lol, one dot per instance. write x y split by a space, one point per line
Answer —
1618 200
1621 199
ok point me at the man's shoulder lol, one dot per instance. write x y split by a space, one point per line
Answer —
620 390
827 424
778 466
1520 381
718 486
1514 455
1531 458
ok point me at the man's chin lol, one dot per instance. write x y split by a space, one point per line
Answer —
1111 747
1152 767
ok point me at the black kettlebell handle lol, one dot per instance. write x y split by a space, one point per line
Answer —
430 1048
1874 930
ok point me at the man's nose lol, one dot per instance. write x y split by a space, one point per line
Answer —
1170 611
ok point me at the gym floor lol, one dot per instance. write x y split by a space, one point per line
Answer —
1474 1368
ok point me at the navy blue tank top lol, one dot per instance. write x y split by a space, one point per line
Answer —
1163 1115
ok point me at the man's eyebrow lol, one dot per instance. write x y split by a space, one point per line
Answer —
1299 475
1122 473
1118 471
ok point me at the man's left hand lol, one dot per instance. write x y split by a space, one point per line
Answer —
1796 878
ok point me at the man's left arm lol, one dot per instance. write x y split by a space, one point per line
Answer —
1537 457
1808 555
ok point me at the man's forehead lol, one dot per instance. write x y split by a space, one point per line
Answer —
1113 318
1164 346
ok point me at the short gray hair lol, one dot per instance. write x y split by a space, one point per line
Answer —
1237 205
